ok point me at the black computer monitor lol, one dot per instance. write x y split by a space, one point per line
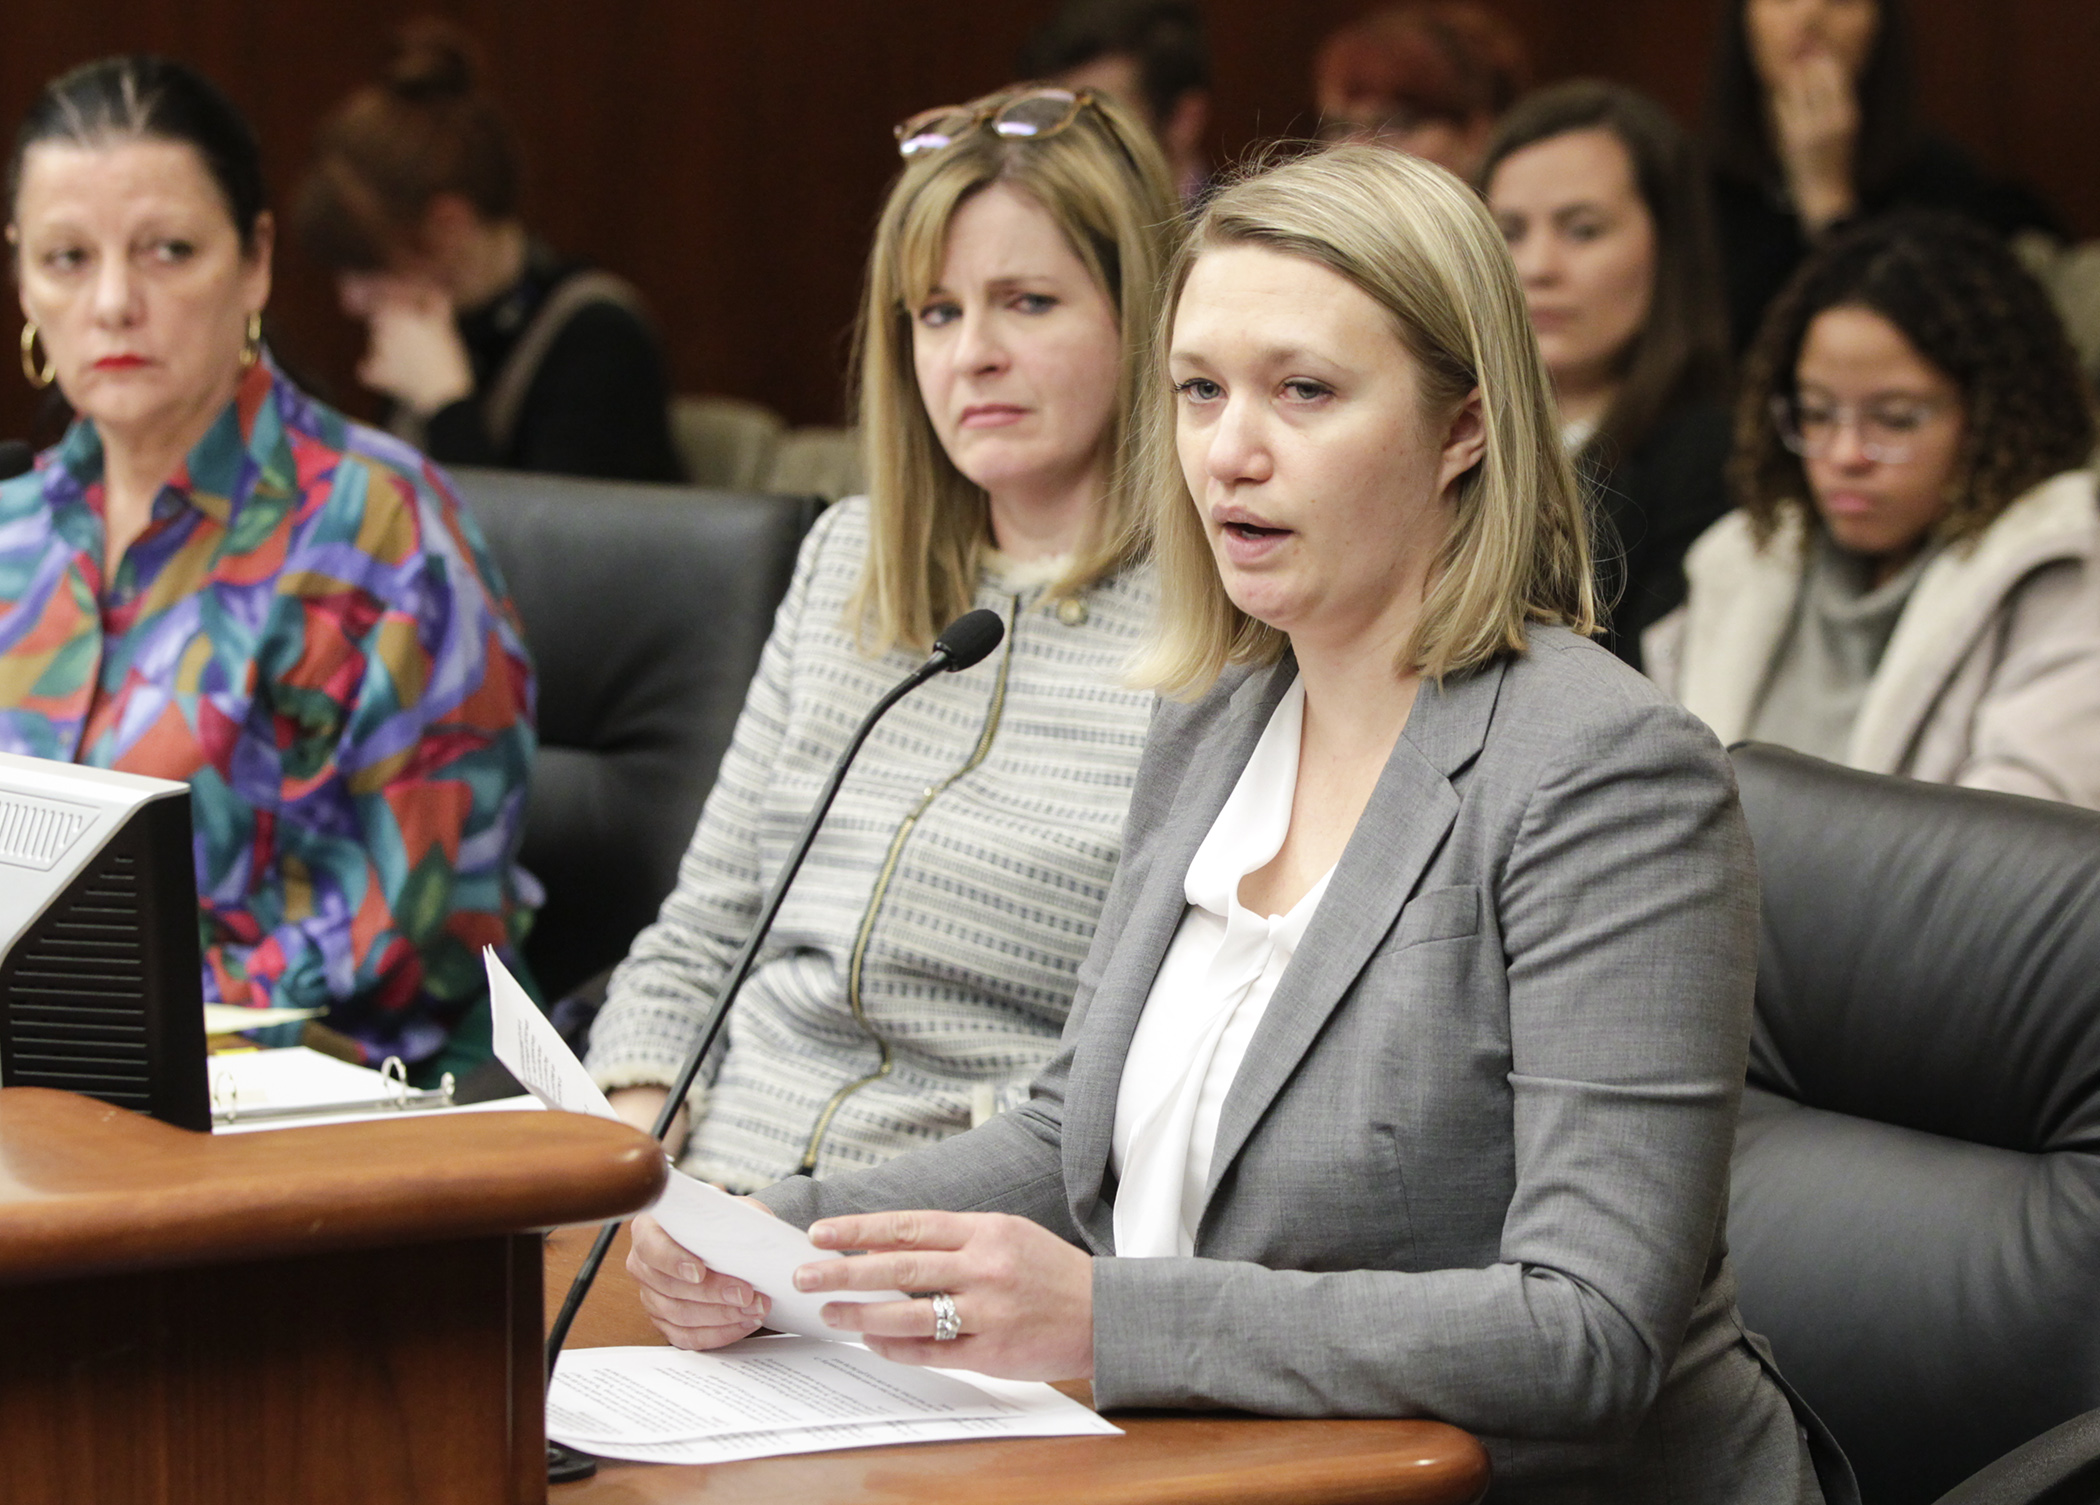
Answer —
101 991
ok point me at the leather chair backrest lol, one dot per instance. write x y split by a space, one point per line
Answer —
645 608
1915 1218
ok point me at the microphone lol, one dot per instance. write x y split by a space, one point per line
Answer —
17 457
966 641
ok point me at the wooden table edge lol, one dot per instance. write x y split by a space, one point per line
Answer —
1282 1461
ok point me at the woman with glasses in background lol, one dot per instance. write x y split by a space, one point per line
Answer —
922 967
1911 583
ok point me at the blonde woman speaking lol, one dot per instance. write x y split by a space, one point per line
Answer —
1403 1073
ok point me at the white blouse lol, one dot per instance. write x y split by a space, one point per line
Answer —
1209 996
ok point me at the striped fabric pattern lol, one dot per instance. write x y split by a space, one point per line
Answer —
989 907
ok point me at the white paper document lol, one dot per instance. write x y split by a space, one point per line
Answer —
534 1052
292 1078
788 1394
768 1396
234 1019
320 1119
729 1234
322 1089
765 1385
739 1239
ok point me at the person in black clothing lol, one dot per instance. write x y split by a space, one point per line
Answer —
490 349
1152 55
1812 124
1603 201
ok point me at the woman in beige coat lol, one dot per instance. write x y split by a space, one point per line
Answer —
1911 582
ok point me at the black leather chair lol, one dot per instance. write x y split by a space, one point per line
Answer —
1916 1209
2060 1467
645 608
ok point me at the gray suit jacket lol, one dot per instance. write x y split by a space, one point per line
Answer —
1475 1163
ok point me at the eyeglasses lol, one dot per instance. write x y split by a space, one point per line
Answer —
1028 116
1888 427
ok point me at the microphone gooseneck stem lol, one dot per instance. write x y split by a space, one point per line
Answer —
748 957
941 659
580 1287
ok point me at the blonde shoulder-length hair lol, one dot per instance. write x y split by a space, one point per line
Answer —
1104 182
1423 247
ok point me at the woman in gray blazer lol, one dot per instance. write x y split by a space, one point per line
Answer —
1403 1072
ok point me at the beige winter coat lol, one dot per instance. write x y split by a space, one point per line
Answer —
1992 678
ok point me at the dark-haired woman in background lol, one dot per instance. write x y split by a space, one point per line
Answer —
1813 122
214 578
1602 198
1912 585
491 349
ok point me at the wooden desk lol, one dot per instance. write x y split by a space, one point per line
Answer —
1167 1458
334 1316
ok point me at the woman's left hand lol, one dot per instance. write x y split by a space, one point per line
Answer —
1024 1297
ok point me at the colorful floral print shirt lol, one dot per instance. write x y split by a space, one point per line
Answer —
311 633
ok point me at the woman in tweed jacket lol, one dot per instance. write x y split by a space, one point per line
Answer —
921 968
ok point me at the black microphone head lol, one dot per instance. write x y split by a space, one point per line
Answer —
16 457
969 638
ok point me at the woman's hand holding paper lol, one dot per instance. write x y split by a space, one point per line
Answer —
1024 1297
691 1305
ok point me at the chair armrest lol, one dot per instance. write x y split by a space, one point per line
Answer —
2060 1467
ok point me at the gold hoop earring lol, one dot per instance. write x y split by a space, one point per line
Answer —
251 351
36 378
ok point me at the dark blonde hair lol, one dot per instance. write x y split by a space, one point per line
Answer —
1104 183
1421 245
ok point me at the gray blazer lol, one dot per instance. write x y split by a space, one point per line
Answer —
1475 1164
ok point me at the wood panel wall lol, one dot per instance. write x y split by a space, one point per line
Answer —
730 157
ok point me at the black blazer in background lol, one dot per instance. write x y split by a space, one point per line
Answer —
1657 501
599 405
1762 241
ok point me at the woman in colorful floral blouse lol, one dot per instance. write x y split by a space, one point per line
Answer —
214 578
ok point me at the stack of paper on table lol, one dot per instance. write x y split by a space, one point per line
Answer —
766 1396
790 1394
